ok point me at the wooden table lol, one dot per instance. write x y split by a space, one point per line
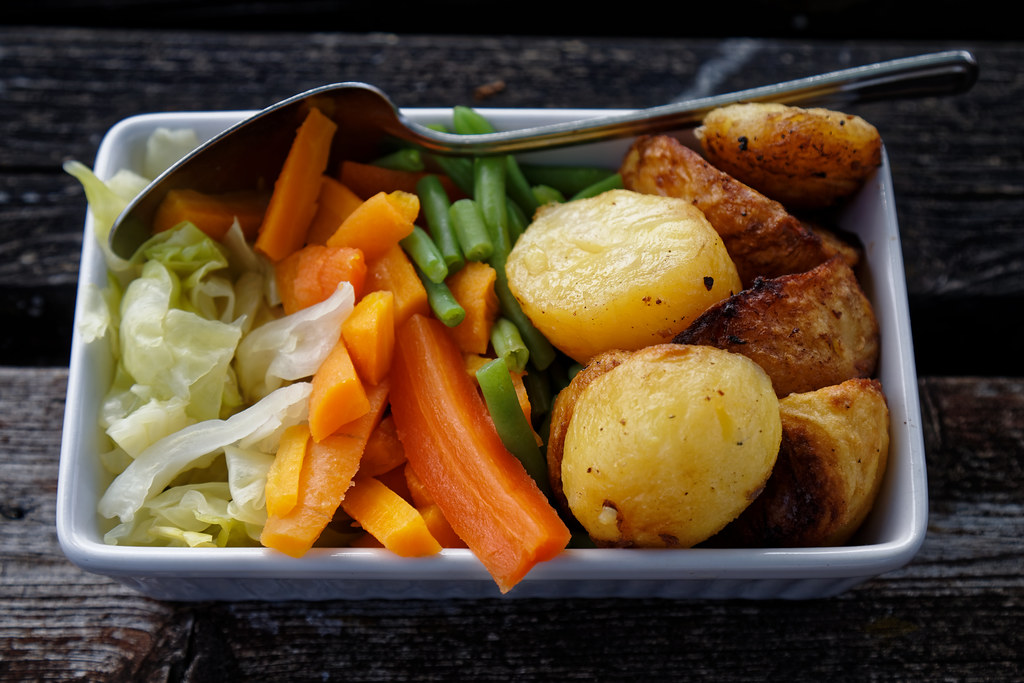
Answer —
954 613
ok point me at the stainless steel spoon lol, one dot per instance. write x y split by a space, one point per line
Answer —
253 150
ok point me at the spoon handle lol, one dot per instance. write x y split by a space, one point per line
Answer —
938 73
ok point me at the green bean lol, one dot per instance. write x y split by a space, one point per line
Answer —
468 121
471 229
489 192
434 204
442 301
404 159
459 169
542 353
612 182
515 430
508 344
545 194
518 187
567 179
517 221
538 388
425 254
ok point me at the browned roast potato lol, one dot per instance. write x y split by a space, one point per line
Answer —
808 330
562 409
805 158
763 239
834 452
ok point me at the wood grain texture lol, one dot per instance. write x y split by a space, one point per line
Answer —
953 613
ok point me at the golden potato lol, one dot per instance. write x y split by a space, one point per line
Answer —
621 270
803 158
669 446
834 453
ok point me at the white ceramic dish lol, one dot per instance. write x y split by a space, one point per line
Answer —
888 540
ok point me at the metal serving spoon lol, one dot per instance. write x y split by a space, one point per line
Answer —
254 149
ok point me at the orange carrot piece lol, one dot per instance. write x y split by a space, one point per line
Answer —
384 451
294 200
473 287
378 224
214 214
327 473
389 518
367 180
451 443
394 479
395 273
369 333
282 488
439 527
337 395
334 204
311 274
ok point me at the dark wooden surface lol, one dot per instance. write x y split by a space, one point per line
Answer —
954 613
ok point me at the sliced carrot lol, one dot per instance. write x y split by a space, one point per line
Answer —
394 479
395 273
334 204
389 518
369 333
473 287
440 528
384 451
293 202
312 273
418 493
454 448
282 488
214 214
367 180
474 362
378 224
337 395
327 473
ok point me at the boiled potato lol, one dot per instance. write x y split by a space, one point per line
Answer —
622 270
669 446
801 157
833 456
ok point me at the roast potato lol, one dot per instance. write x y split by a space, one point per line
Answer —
808 330
668 446
621 270
761 236
833 456
804 158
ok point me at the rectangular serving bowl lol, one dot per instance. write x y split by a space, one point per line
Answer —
888 540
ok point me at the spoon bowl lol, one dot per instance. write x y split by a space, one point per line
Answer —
251 153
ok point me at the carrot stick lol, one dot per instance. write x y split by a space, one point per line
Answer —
395 273
214 214
369 333
294 200
282 489
337 396
439 527
334 204
473 287
327 473
367 180
378 224
311 274
389 518
384 451
452 445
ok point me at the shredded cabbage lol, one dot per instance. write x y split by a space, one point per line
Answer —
207 371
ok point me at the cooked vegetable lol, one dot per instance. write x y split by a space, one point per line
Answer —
312 273
384 451
395 273
618 271
293 201
282 489
213 214
444 306
801 157
327 473
367 179
670 445
473 287
369 334
425 254
337 396
451 443
434 206
508 344
378 224
471 229
335 203
389 518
